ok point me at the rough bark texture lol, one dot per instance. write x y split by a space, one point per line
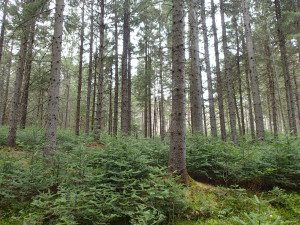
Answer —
90 73
161 102
211 101
218 73
249 97
110 111
79 84
124 102
259 120
116 97
239 75
27 73
177 157
271 85
129 88
194 73
13 122
98 118
285 67
228 77
2 32
53 91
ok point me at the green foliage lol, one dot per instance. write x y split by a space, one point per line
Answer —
113 184
255 165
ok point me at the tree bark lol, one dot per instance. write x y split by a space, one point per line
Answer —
177 161
239 75
79 84
11 140
27 73
194 73
228 77
90 73
259 120
161 102
211 101
2 32
285 67
110 113
98 119
124 102
218 73
116 97
53 91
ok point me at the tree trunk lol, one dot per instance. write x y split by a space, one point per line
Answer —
271 85
218 73
7 84
68 79
116 97
110 113
11 140
285 67
259 120
239 75
149 97
249 97
94 91
79 84
53 91
90 75
211 101
194 73
161 102
125 103
228 77
129 88
27 73
2 32
177 161
98 119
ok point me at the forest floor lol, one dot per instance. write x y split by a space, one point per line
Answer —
123 181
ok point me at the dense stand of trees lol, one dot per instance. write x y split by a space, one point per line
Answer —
121 67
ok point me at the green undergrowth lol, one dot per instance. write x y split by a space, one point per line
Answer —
124 181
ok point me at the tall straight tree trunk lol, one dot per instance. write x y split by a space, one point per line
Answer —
239 75
94 91
259 120
218 73
110 113
2 76
90 75
116 97
194 73
7 84
149 97
68 84
129 89
13 123
297 94
79 84
2 32
211 101
271 85
177 161
53 91
249 97
285 67
228 77
125 103
98 118
27 73
161 102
